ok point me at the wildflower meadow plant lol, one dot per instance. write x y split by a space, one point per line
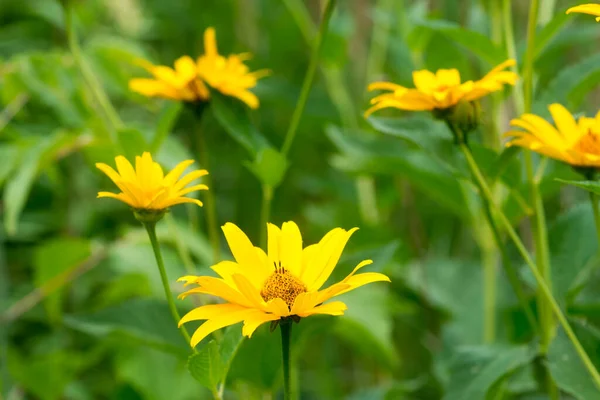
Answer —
457 136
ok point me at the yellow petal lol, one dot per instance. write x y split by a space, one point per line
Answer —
176 172
254 320
448 77
219 322
273 245
241 247
210 42
592 9
248 290
425 81
291 247
565 123
209 311
336 247
333 308
186 69
363 279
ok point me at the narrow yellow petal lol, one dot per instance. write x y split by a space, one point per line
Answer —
363 279
210 42
217 323
291 247
209 311
176 172
241 247
333 308
248 290
254 320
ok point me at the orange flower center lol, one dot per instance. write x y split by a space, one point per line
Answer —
588 143
282 285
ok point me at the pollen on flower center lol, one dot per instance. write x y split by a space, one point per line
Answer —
589 143
283 285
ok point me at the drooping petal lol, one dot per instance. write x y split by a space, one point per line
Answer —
254 320
209 311
219 322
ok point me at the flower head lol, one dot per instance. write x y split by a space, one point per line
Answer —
146 188
230 75
283 283
180 83
439 91
592 9
574 142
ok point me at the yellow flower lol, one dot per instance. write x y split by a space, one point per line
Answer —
230 75
181 83
284 283
575 142
592 9
439 91
146 187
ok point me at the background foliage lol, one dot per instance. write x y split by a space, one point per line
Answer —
82 310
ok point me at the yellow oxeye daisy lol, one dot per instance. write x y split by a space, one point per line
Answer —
439 91
147 188
592 9
230 75
285 283
574 142
180 83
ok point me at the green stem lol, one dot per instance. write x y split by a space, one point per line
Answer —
539 217
308 78
151 229
265 212
89 77
489 290
511 49
209 198
596 210
286 333
487 194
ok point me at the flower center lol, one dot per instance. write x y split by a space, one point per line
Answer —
589 143
283 285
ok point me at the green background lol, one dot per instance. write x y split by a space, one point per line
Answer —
82 313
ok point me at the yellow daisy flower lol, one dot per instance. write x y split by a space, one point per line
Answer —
147 188
592 9
181 83
230 75
574 142
283 283
439 91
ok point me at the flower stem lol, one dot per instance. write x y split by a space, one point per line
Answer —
596 210
265 212
308 78
151 229
286 333
209 198
540 230
487 194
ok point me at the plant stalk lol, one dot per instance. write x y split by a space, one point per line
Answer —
211 206
543 287
265 212
151 229
286 333
596 210
308 78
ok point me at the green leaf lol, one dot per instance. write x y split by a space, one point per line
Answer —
206 366
572 243
367 153
212 362
474 370
269 167
233 117
503 162
166 120
566 81
550 30
590 186
53 258
132 142
566 367
10 155
18 186
473 41
144 320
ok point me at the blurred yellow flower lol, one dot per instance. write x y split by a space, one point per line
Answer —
592 9
283 283
181 83
146 187
230 75
575 143
439 91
